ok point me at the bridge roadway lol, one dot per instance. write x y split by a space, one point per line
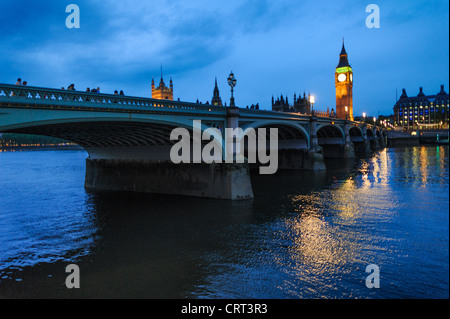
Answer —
128 138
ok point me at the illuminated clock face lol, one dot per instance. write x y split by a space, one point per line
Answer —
342 77
351 77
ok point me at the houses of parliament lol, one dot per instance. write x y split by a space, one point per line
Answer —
162 92
343 80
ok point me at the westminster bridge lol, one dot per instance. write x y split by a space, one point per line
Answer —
128 138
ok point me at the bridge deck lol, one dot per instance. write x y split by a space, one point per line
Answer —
39 97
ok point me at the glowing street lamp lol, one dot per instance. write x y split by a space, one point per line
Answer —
232 84
346 112
364 117
312 100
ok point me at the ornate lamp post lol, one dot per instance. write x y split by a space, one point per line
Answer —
364 117
346 113
312 100
232 84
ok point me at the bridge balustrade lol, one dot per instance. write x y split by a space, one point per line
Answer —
27 94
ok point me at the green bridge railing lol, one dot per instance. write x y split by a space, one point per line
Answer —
46 96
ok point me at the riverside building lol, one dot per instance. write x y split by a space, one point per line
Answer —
422 111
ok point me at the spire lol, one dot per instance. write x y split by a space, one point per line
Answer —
343 57
161 83
216 100
343 52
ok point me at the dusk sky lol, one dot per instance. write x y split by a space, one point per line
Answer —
273 47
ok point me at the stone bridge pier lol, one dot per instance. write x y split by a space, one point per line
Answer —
151 169
358 136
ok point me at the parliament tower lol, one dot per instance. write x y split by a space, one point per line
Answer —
162 92
344 87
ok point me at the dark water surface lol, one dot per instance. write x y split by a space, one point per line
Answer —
303 236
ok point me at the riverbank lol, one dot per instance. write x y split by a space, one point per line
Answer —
415 138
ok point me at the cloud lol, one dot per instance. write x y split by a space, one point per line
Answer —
274 47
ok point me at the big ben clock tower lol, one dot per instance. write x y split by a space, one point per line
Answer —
344 87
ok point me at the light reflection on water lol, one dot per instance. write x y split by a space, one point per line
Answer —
304 235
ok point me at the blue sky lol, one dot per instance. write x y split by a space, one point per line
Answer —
273 47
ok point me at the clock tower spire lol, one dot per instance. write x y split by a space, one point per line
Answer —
344 87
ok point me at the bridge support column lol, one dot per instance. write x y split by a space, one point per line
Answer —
313 159
367 149
374 143
221 181
349 150
302 159
381 140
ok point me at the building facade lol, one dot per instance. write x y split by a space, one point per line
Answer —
162 92
422 111
343 79
301 104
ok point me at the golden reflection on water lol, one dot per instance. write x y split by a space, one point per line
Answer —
423 160
323 233
441 156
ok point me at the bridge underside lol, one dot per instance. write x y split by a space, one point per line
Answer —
332 141
136 157
118 139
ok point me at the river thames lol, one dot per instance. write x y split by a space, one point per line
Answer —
304 235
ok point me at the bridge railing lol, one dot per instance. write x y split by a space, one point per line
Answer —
43 96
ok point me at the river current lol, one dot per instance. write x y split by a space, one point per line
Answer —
305 235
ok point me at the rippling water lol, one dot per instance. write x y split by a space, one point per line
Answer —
303 236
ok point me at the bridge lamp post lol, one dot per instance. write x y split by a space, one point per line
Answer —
364 117
374 121
232 84
346 113
312 99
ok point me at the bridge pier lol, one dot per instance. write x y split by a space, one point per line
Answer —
374 142
221 181
381 140
349 149
303 159
314 159
363 147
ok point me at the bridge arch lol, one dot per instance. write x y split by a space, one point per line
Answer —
330 134
290 135
356 134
